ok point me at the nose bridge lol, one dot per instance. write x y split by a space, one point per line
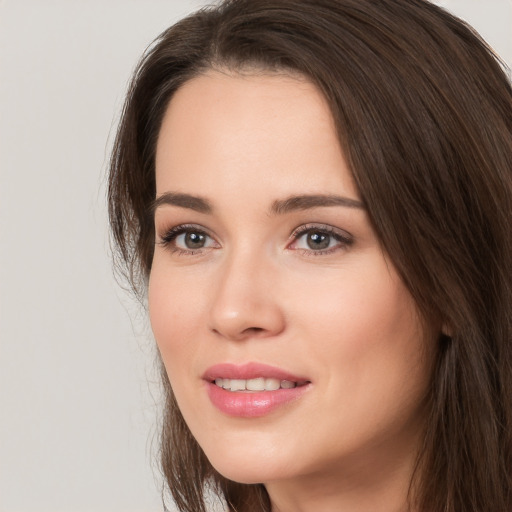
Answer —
243 304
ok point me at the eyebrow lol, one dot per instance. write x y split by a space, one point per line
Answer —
279 207
305 202
188 201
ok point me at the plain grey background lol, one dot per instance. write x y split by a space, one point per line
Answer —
78 390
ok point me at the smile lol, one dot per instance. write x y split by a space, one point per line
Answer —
252 390
257 384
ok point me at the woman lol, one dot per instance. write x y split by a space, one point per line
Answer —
316 197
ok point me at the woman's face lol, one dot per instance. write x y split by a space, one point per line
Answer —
267 274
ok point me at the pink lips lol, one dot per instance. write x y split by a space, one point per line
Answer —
251 404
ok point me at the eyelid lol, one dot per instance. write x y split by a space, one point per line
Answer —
344 238
168 236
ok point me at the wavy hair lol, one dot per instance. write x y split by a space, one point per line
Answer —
423 110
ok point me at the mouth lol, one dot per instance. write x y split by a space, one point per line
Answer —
256 384
253 389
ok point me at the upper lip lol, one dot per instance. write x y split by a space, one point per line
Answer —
248 371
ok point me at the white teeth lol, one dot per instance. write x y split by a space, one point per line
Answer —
237 385
272 384
257 384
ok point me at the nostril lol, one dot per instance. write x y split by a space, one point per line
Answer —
253 330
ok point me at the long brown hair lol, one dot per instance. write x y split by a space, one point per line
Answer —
423 111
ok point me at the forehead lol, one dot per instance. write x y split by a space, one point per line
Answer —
228 128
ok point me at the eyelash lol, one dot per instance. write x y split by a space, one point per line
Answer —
170 236
343 238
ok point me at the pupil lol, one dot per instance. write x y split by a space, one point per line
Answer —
194 240
318 241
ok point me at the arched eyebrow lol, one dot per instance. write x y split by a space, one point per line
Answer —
305 202
279 206
196 203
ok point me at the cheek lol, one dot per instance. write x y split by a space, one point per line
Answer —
174 314
361 307
366 334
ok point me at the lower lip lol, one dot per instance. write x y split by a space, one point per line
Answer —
252 404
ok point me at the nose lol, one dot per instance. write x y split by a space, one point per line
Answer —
244 302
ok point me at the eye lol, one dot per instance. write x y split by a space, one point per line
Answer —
320 239
187 239
191 240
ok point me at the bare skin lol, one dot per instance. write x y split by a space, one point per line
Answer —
241 274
